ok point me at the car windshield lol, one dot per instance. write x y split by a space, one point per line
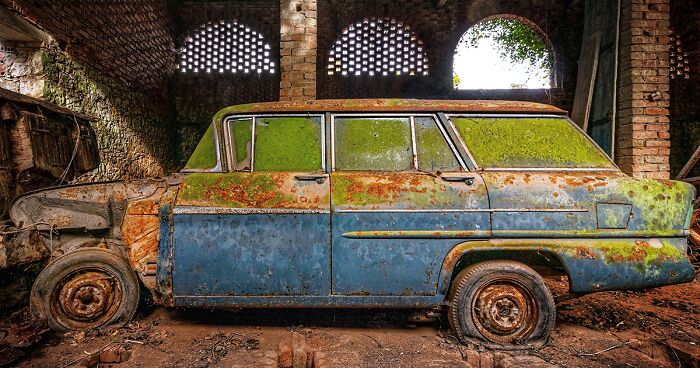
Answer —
529 142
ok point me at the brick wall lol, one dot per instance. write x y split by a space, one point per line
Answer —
643 144
128 41
440 29
197 97
298 46
108 60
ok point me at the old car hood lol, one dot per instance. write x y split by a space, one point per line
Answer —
88 207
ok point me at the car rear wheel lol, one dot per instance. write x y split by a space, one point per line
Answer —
503 303
85 289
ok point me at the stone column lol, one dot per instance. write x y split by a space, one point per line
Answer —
643 143
298 50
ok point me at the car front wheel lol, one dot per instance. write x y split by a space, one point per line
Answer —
85 289
503 303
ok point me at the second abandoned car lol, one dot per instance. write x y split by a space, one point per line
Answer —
366 203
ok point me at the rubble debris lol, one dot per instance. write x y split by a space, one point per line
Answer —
19 335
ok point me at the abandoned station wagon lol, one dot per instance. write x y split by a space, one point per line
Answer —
366 203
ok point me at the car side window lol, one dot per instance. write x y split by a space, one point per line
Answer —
373 144
241 135
434 153
288 143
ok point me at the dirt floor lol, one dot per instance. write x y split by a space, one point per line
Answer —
651 328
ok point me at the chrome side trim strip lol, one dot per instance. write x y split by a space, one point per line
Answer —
195 210
452 210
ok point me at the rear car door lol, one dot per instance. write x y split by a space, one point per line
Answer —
544 176
263 228
401 199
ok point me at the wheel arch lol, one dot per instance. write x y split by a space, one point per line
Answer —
545 261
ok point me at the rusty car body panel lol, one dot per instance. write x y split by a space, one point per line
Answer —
223 233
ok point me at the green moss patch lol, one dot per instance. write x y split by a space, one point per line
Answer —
204 156
529 143
373 144
288 144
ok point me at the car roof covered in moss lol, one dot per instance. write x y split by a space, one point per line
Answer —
392 105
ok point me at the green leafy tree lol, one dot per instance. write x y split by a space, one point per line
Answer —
456 81
517 41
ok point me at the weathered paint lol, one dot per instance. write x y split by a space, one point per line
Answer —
88 207
596 264
528 143
252 190
204 156
404 191
253 254
655 208
389 105
430 213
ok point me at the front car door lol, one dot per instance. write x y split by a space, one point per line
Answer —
401 199
261 228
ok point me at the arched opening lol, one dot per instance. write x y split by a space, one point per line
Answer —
378 47
226 47
503 52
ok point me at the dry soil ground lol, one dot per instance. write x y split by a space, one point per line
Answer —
651 328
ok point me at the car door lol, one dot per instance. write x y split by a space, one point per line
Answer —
263 228
401 199
550 181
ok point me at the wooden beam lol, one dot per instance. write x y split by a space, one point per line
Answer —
689 165
585 82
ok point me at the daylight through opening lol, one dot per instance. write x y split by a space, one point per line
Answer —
378 46
226 48
503 52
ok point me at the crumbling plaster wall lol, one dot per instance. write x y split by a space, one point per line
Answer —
133 131
111 61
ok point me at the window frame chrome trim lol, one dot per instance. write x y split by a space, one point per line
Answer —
230 144
254 118
414 144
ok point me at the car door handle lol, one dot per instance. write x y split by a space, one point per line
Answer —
319 178
467 179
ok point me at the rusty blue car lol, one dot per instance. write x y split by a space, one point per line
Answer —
462 206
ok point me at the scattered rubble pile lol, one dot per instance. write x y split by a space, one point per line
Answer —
18 335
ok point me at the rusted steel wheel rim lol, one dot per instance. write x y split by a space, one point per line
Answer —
504 311
86 298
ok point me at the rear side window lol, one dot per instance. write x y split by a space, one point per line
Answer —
528 143
204 157
288 144
373 144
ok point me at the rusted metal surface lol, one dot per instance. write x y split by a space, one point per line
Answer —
141 233
593 264
392 105
21 248
86 297
504 312
87 207
253 190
